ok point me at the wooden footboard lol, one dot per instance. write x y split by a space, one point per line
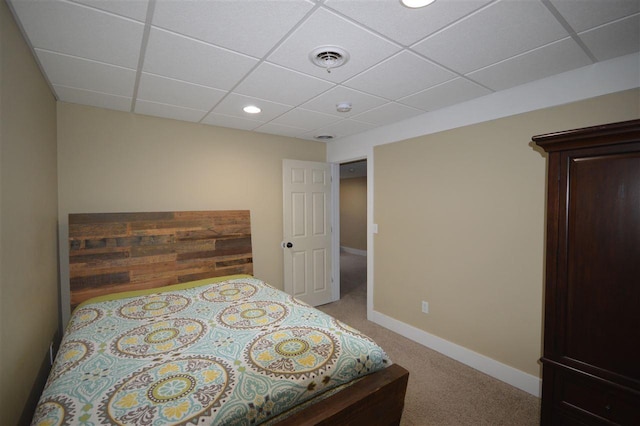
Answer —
377 399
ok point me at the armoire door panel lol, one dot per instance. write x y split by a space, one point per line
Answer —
603 258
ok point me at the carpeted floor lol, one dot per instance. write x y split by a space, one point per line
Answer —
441 391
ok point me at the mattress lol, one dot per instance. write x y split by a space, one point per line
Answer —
223 351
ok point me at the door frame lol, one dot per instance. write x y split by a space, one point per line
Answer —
371 227
335 231
339 154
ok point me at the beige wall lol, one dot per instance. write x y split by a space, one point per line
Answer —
353 213
28 212
461 218
111 161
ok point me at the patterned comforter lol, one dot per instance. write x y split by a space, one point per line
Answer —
224 352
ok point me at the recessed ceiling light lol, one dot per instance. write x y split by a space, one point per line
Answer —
414 4
251 109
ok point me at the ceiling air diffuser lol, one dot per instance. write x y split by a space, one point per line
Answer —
329 57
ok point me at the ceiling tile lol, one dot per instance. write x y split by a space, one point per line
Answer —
185 59
179 93
340 129
404 25
281 85
279 129
493 34
403 75
615 39
586 14
169 111
232 106
229 121
445 94
388 113
554 58
248 27
325 28
64 70
81 31
136 9
328 101
305 119
96 99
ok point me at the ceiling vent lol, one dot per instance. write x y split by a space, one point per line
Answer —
324 137
329 57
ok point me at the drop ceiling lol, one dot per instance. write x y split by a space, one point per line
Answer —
204 60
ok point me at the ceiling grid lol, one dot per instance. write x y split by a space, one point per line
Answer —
203 60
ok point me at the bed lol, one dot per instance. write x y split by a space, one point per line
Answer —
171 327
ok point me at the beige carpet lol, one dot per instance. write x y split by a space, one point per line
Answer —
441 391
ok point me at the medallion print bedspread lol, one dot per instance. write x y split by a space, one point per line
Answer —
230 352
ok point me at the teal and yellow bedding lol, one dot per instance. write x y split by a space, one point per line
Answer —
231 351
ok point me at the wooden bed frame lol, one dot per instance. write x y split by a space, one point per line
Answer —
112 252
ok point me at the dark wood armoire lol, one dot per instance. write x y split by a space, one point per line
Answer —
591 361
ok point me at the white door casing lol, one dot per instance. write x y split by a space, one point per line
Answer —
307 225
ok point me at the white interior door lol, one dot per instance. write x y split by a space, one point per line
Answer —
307 231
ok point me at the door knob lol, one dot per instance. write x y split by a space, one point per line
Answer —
289 245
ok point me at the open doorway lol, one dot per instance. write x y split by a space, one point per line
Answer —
353 230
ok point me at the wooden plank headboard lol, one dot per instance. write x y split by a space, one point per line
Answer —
111 252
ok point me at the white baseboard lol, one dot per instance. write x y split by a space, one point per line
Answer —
519 379
353 251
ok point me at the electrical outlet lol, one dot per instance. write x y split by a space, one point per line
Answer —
425 307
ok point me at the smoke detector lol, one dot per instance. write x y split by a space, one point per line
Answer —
329 57
343 107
